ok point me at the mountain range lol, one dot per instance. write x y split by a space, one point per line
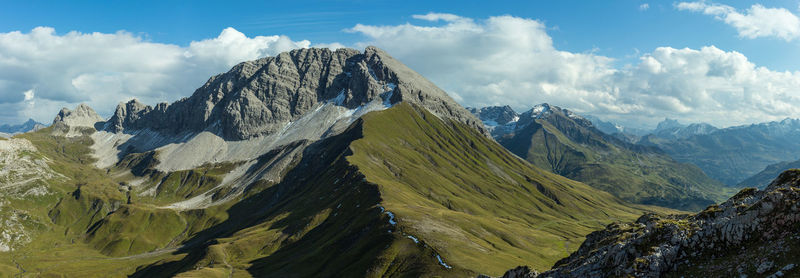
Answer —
347 163
7 130
310 163
567 144
730 155
734 154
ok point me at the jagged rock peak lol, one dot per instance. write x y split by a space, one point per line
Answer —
259 97
668 123
499 115
545 110
82 116
127 112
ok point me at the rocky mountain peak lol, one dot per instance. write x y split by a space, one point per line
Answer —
127 112
29 125
82 116
495 115
552 113
260 97
668 123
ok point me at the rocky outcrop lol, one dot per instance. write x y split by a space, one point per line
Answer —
72 123
82 116
259 97
499 120
754 233
495 115
129 113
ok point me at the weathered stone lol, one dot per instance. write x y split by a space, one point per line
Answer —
259 97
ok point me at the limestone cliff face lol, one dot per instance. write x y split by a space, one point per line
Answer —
259 97
754 233
82 116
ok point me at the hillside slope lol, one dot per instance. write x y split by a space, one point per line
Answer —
567 144
753 234
763 178
411 188
398 182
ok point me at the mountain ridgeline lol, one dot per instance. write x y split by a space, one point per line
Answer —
312 163
567 144
29 125
734 154
259 97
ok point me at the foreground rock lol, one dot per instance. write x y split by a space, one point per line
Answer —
754 233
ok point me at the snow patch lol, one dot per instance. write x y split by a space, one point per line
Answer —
390 214
442 262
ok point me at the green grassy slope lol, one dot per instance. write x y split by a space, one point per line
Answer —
471 200
636 174
391 196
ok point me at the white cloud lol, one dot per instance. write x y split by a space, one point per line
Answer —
644 7
498 60
437 17
28 95
757 21
104 69
511 60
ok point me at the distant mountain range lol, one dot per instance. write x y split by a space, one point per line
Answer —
565 143
729 155
29 125
733 154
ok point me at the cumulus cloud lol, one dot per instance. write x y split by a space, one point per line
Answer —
757 21
42 71
644 7
493 61
512 60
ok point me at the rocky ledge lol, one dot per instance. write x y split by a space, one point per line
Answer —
753 234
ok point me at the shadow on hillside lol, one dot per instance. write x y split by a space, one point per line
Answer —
319 181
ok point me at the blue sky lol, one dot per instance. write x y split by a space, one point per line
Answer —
611 28
595 57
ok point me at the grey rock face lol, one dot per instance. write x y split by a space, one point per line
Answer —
259 97
499 115
82 116
130 112
499 120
